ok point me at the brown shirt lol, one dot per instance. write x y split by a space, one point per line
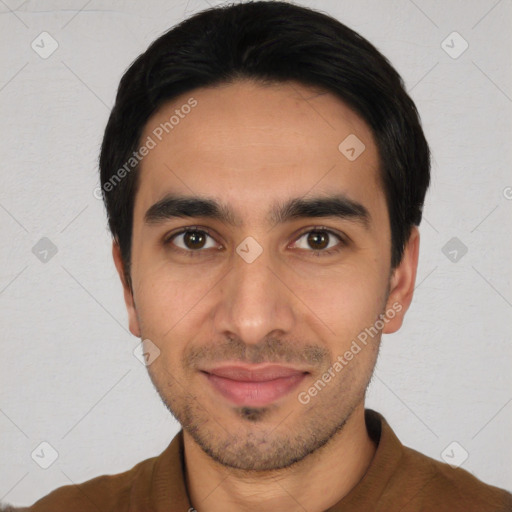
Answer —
398 479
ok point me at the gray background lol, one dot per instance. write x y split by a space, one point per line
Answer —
68 374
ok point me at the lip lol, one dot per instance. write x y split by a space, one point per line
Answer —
254 385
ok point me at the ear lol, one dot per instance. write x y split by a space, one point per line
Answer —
401 286
128 294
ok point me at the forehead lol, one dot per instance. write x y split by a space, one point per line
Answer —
250 144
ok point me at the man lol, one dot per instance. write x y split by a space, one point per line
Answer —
264 173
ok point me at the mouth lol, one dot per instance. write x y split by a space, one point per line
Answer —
254 385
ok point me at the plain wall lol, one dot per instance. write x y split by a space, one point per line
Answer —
68 374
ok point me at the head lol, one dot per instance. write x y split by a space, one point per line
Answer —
264 172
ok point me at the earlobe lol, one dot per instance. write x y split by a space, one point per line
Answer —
127 291
401 287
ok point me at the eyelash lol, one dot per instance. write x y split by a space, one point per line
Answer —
322 229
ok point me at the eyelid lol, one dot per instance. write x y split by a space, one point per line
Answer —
341 236
184 229
179 231
343 239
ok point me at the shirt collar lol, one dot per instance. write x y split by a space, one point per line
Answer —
168 481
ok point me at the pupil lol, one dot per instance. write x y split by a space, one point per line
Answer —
314 238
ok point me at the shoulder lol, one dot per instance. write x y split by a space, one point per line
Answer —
405 479
437 484
107 493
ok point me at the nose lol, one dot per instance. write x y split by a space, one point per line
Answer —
255 299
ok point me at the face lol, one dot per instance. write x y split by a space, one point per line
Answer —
259 299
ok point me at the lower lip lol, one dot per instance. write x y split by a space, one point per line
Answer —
254 393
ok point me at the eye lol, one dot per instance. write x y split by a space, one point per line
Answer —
320 240
191 240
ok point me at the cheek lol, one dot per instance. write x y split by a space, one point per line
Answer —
349 300
164 296
171 311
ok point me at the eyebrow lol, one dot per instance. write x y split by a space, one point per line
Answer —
335 206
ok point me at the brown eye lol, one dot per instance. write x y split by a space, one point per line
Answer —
194 239
191 240
320 241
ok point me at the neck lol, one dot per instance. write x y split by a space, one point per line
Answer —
316 483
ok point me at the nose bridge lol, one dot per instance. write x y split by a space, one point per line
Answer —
254 301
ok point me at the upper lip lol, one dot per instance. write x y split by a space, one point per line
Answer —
254 373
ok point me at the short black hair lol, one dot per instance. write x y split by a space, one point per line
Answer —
269 42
